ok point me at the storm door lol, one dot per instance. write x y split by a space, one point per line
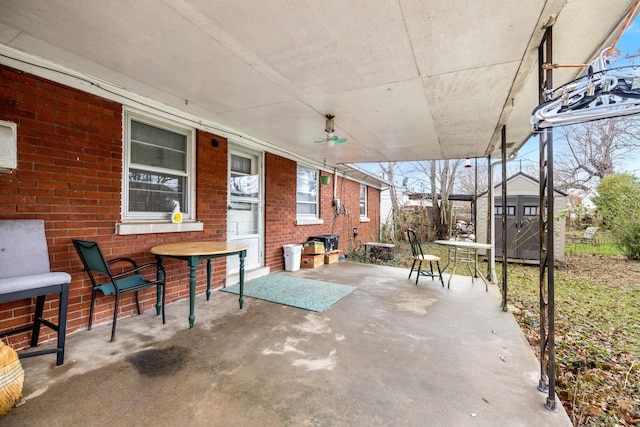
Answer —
244 212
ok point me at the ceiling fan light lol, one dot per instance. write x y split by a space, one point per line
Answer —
330 143
328 127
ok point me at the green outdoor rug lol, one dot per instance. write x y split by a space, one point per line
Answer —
308 294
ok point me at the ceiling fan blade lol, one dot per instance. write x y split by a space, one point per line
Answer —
320 141
339 140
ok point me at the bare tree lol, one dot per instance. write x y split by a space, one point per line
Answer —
592 150
442 176
389 172
467 177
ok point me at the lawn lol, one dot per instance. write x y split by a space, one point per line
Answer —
597 334
597 329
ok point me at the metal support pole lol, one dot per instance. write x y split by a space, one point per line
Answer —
474 205
551 398
490 233
547 288
543 381
504 218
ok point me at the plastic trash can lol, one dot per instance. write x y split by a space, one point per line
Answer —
292 255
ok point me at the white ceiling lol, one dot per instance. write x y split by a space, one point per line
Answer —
406 79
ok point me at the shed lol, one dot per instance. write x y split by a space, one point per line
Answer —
523 221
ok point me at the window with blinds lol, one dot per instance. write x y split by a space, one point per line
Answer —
157 169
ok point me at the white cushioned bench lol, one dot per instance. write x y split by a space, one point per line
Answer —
25 273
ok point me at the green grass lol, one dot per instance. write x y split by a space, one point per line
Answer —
597 335
608 249
602 244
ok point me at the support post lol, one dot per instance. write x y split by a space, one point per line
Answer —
490 233
504 218
547 294
474 204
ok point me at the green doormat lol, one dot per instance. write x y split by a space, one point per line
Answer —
308 294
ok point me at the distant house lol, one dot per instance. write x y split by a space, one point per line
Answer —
581 205
407 199
523 226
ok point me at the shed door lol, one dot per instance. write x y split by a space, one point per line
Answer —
511 209
523 227
529 227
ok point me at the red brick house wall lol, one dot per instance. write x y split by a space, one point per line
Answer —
70 175
280 212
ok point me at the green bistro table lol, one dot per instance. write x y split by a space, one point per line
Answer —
193 253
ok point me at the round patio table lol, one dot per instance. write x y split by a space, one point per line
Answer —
193 253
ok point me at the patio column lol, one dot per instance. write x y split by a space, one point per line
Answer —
547 287
491 223
504 218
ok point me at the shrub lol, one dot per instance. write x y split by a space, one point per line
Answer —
618 201
628 239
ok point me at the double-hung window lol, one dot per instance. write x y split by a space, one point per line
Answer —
307 195
363 204
363 201
158 169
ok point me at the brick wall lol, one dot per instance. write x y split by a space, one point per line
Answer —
280 211
70 175
69 172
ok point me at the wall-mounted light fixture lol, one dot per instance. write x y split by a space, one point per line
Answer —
467 163
355 232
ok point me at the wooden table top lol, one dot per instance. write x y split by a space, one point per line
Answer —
199 248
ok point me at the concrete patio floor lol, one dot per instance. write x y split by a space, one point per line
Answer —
391 353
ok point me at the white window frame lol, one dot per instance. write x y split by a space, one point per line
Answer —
308 219
158 222
363 200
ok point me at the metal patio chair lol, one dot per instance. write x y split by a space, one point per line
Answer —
418 257
126 279
589 235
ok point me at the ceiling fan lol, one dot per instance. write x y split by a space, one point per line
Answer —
331 139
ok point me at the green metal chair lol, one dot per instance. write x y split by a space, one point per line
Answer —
127 279
419 257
